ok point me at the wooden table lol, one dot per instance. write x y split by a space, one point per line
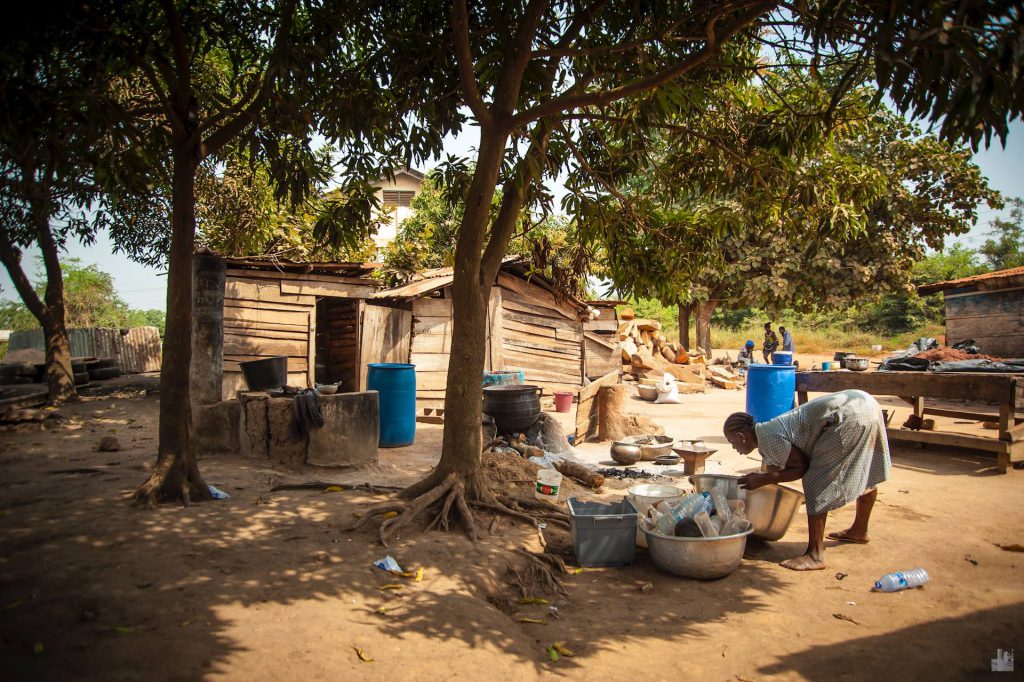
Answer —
1004 390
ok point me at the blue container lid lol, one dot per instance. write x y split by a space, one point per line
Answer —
390 365
771 368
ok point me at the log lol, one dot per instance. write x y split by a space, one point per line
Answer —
668 354
646 325
627 314
643 360
628 349
581 473
723 383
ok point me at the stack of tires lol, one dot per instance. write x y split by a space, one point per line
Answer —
85 370
103 369
20 373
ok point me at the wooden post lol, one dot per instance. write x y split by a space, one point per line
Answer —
311 351
206 374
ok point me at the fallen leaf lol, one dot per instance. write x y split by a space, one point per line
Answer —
390 586
362 655
123 629
419 574
1010 548
537 621
37 648
575 571
384 609
14 604
333 489
185 623
389 515
843 616
647 587
562 649
533 600
553 654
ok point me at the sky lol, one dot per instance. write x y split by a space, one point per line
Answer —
144 287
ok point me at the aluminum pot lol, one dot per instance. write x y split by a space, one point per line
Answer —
625 453
647 495
729 485
857 364
649 452
701 558
771 508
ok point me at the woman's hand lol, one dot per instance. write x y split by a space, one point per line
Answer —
754 481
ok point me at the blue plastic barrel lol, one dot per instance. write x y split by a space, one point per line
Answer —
770 390
782 357
396 385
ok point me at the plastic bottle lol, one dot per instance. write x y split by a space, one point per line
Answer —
685 508
737 524
737 506
901 580
721 505
703 521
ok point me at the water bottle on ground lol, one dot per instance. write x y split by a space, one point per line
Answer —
707 527
901 580
685 508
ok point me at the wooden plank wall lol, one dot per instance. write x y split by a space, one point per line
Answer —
994 319
540 336
260 322
430 345
385 335
601 353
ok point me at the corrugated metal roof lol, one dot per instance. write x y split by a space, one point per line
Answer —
307 267
989 280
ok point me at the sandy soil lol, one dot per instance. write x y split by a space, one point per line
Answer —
271 586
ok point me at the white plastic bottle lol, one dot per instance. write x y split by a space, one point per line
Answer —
901 580
722 509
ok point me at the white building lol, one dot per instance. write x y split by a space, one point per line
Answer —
396 197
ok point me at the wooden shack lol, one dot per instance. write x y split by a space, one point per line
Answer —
601 350
315 314
530 327
988 308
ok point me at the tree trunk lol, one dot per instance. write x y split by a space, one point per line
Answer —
60 377
471 288
704 311
176 475
685 312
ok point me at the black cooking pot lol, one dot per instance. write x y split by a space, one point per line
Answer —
514 407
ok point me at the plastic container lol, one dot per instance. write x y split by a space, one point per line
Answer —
901 580
603 534
396 385
261 375
549 482
770 391
826 367
509 377
563 401
703 521
782 357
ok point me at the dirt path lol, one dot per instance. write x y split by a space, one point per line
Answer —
271 585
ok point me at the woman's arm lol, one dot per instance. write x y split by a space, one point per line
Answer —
796 467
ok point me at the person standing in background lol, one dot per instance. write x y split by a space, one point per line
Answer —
771 343
787 340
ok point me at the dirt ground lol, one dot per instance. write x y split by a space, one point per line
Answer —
271 586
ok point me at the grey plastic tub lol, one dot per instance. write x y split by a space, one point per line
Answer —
603 534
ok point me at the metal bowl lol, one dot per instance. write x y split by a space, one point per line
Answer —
856 364
729 485
662 445
646 495
771 509
647 392
701 558
625 453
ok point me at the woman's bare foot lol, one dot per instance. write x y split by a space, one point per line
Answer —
803 563
849 535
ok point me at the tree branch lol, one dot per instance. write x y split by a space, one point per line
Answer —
464 59
183 90
511 80
10 255
711 47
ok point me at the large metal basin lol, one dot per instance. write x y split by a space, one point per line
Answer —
729 485
771 508
647 495
700 558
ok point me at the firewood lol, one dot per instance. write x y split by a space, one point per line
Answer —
682 357
628 349
668 354
581 473
723 383
646 325
644 360
626 314
645 337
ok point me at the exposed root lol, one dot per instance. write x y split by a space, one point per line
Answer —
541 574
391 526
382 508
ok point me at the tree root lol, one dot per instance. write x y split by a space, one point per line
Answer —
541 574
